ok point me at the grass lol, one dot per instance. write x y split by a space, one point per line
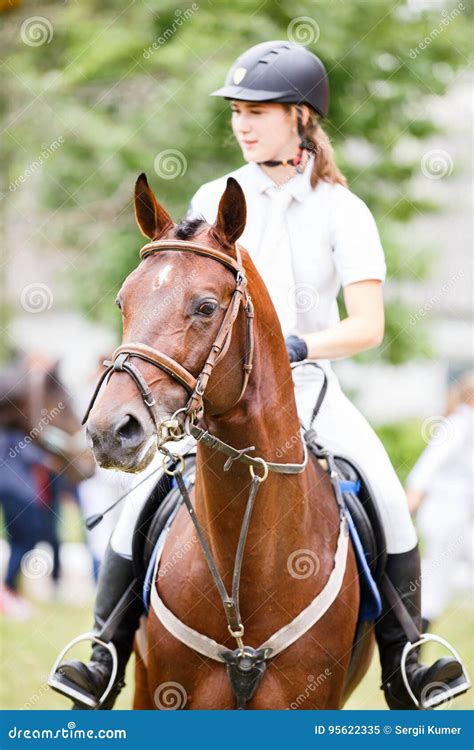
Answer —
28 650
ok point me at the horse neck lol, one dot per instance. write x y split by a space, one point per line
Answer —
266 418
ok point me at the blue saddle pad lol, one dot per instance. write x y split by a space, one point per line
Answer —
370 602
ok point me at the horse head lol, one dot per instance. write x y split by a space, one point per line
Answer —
185 314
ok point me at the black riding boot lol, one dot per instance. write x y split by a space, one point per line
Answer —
91 680
404 572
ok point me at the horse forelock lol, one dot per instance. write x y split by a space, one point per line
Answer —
187 228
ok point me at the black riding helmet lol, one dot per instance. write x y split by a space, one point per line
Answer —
281 72
278 72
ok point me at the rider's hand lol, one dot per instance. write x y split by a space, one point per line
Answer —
296 348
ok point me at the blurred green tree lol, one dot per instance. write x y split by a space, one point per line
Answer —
123 87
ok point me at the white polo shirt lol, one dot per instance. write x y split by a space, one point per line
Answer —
333 236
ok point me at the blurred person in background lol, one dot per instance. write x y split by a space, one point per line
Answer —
440 491
41 455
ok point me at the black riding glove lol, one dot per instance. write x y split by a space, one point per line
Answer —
296 348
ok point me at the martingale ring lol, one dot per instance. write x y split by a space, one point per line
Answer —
179 468
265 470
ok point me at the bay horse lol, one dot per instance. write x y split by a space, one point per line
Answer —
175 305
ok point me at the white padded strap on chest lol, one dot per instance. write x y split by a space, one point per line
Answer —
280 640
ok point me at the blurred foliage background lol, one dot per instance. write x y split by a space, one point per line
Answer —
120 87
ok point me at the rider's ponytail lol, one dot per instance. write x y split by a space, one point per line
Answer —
324 167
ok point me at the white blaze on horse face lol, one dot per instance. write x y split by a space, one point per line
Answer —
163 276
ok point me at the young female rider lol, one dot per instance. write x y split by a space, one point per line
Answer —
308 235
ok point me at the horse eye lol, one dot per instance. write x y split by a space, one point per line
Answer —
207 307
118 303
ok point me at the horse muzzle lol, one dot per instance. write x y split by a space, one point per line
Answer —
124 445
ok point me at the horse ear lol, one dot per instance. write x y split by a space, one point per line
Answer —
152 219
232 213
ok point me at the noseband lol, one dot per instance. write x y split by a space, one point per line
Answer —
195 386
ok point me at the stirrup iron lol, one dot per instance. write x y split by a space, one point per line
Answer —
438 697
74 693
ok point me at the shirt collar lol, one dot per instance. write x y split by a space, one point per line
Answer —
299 186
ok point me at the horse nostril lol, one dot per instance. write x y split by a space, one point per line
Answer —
129 430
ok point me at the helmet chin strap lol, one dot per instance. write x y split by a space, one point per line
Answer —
304 144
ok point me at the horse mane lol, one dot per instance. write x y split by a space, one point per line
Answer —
187 228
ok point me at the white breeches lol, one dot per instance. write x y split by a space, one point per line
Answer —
343 429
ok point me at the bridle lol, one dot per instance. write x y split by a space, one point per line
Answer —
195 386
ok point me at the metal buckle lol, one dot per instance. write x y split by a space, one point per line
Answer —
199 390
70 692
437 699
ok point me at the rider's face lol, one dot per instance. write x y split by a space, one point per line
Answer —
264 131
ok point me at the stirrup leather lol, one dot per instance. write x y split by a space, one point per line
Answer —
76 694
439 697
